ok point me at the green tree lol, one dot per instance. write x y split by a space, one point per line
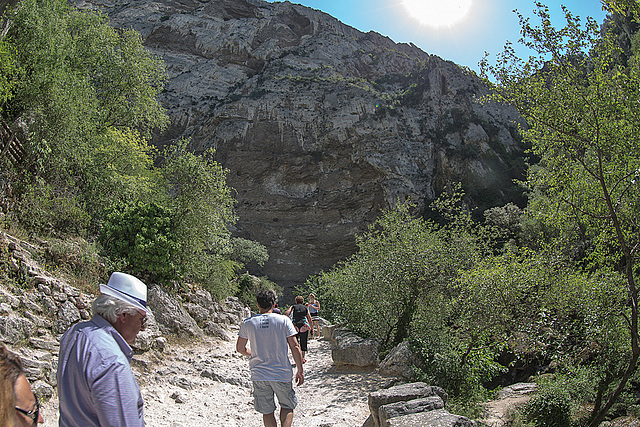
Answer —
581 109
143 236
203 205
76 82
401 269
124 173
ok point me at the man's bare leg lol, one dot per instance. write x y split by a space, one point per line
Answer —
286 417
269 420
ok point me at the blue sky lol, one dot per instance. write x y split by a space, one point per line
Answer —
486 27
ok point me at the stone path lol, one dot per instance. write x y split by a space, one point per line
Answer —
207 383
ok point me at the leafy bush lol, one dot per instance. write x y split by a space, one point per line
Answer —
72 79
245 251
144 236
203 207
249 285
403 266
76 259
44 209
551 408
444 364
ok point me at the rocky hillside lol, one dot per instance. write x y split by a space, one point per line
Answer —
320 125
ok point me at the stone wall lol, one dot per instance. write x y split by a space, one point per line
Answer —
36 308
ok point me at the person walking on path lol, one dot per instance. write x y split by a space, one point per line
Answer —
268 336
302 323
96 386
314 308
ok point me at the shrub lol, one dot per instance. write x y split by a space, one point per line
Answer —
551 408
43 209
143 235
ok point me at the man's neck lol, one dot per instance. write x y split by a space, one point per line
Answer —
263 311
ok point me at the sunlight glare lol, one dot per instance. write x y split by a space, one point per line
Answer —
437 13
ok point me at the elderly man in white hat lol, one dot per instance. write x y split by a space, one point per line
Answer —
96 386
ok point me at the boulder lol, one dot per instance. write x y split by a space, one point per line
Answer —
169 314
68 314
436 418
199 313
15 329
401 393
351 349
332 332
147 339
400 362
414 406
215 330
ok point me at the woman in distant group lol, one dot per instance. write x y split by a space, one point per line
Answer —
18 405
302 323
314 308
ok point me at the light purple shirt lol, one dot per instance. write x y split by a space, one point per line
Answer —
96 386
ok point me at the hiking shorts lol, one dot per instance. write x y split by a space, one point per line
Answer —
263 392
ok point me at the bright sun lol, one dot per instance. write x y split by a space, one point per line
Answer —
437 13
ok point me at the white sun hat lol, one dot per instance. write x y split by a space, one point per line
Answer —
127 288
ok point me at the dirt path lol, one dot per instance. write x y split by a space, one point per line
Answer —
207 383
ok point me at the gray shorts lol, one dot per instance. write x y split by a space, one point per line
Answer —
263 392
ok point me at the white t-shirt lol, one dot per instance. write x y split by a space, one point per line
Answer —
267 334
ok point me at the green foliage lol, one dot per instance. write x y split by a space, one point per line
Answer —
580 102
549 409
77 260
246 251
77 84
46 209
77 70
8 69
446 364
87 93
202 205
248 287
401 267
122 172
144 236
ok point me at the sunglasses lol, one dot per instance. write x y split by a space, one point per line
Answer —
34 414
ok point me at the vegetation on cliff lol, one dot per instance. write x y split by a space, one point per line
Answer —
81 98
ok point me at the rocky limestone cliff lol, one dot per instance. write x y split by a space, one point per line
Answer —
320 125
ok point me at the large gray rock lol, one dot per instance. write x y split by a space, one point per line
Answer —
351 349
402 393
330 332
320 125
400 362
437 418
15 329
68 314
169 314
397 409
148 338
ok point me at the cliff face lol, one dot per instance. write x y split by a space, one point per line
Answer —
320 125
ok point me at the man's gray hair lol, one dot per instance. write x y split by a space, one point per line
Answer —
110 307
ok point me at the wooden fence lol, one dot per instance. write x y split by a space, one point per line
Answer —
11 146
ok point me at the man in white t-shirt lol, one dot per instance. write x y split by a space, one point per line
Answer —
271 372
